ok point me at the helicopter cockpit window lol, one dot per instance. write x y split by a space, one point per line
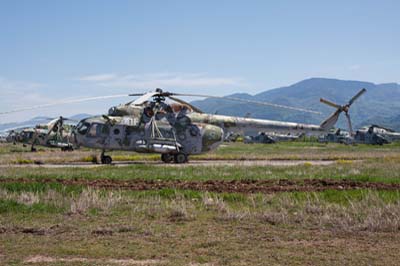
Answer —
28 135
82 128
98 130
93 130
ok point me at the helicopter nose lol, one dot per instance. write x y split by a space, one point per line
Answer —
212 137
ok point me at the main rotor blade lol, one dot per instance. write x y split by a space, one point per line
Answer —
15 128
194 108
250 101
143 97
65 102
330 103
355 97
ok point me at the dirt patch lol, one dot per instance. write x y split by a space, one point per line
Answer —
102 232
238 186
45 259
39 231
209 162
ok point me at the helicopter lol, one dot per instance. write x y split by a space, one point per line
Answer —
375 134
177 130
160 122
54 134
271 137
337 135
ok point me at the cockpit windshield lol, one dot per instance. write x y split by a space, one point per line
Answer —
83 128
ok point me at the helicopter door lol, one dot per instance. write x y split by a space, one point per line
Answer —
117 136
100 132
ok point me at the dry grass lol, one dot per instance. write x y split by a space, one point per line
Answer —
371 213
184 229
94 199
180 210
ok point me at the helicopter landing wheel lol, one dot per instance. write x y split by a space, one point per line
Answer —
180 158
105 159
167 158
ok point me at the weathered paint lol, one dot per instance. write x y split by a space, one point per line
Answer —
250 125
179 129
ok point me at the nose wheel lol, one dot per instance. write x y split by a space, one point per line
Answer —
105 159
167 158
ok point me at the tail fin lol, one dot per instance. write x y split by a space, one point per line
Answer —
333 118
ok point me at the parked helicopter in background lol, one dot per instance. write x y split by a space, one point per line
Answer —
375 134
337 135
55 134
270 138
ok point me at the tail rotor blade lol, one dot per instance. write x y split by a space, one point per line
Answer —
349 124
355 97
330 103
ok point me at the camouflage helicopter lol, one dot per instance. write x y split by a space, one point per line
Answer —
176 130
337 135
271 137
375 134
55 134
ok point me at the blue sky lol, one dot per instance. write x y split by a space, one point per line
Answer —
52 50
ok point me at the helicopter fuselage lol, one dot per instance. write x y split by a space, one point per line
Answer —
133 134
190 133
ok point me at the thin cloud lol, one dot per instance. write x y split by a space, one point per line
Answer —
16 87
99 78
18 93
163 80
354 67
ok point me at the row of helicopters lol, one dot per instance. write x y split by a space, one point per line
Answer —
161 122
372 134
54 134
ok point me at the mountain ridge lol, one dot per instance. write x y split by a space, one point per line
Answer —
380 105
381 100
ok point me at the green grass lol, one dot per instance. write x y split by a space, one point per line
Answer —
12 206
234 151
40 187
378 170
186 227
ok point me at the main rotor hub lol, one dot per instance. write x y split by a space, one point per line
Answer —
159 98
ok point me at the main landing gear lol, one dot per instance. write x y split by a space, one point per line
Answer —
68 148
105 159
176 158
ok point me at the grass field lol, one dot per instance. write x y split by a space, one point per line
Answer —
16 154
62 216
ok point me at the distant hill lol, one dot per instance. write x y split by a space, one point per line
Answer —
37 120
380 105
